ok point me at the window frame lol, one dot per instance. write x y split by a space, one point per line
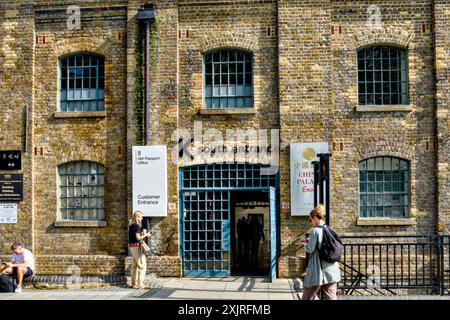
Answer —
99 99
227 97
94 214
399 193
400 80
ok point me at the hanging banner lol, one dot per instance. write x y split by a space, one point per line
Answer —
8 213
302 175
150 180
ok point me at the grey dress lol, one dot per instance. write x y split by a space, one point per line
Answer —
319 272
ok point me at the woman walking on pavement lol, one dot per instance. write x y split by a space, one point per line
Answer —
320 274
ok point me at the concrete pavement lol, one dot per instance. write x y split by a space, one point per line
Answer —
229 288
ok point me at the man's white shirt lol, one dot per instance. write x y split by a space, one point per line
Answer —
25 256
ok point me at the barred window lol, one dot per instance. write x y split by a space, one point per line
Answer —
82 83
382 76
384 187
228 77
81 191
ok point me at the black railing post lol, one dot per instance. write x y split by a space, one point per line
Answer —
324 178
316 180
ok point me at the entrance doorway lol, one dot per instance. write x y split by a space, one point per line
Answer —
211 195
250 233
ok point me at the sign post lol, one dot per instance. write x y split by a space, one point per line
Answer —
150 180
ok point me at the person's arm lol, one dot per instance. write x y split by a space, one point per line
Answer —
142 237
311 246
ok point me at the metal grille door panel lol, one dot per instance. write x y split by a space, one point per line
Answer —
205 202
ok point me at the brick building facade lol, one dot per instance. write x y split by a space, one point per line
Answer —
304 84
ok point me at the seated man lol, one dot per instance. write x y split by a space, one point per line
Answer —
21 265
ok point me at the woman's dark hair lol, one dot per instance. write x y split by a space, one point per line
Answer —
16 245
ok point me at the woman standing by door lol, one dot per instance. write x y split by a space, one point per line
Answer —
320 273
139 263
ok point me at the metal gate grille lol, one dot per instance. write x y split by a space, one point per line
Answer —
206 220
205 224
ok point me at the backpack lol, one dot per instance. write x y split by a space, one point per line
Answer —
332 248
6 283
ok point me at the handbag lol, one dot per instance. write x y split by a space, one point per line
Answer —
145 249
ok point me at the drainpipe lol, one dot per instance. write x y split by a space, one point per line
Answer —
146 14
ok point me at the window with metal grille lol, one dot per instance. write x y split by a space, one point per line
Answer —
81 191
384 187
82 83
382 76
228 78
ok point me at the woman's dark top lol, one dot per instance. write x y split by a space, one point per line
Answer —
132 230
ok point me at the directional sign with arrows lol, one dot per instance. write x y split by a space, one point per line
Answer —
11 160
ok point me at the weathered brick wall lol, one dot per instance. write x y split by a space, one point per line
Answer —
305 84
161 266
101 139
16 91
442 62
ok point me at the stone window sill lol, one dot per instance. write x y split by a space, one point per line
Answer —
223 111
384 108
81 114
81 223
385 222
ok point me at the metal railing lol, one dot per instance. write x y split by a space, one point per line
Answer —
386 263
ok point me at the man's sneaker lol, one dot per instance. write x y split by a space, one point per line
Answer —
18 289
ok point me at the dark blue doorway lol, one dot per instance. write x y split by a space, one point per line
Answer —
206 214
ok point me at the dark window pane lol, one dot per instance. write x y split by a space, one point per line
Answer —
240 79
208 80
378 99
232 56
224 79
224 56
232 68
377 52
101 83
362 99
208 68
377 75
224 68
248 78
361 64
362 87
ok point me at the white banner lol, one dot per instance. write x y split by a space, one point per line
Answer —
8 213
150 180
302 175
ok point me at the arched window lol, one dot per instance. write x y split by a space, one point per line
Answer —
382 76
384 187
82 83
228 78
81 191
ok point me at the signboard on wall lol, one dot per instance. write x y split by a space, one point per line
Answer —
302 175
8 213
150 180
11 187
11 160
